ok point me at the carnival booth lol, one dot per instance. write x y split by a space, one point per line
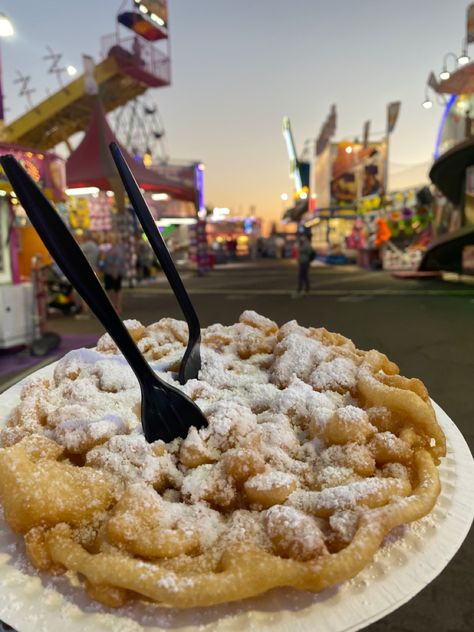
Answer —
345 174
96 195
330 231
20 244
394 232
233 237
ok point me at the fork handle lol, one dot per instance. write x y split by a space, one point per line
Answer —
70 258
158 244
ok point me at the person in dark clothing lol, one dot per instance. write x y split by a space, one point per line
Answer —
115 267
305 255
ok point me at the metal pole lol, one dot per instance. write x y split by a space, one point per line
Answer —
359 172
2 114
385 175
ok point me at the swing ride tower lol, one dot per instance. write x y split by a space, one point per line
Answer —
134 58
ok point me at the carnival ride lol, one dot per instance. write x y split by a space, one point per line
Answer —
91 164
449 171
139 128
121 76
299 173
131 63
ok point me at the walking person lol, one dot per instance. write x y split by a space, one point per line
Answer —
145 259
305 256
91 251
115 266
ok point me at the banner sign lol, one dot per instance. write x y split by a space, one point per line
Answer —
365 134
327 131
393 110
55 177
356 175
470 24
32 162
198 247
47 170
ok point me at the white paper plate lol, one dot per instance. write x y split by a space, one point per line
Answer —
413 556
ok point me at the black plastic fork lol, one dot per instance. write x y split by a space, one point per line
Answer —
166 412
191 362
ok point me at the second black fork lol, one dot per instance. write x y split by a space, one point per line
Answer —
191 362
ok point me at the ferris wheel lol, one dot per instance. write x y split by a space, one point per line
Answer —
138 127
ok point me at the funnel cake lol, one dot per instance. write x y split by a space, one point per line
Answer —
314 451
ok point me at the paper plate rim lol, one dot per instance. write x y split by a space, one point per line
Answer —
339 611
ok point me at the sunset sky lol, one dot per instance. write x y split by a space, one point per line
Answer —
239 67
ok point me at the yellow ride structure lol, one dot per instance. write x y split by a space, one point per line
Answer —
123 74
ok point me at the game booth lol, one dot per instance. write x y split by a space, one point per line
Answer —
394 232
345 174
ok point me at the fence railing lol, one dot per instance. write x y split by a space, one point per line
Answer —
137 53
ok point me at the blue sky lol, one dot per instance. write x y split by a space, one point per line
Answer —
238 67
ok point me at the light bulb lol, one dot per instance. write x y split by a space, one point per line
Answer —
6 27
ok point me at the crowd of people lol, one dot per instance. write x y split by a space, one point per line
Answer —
114 264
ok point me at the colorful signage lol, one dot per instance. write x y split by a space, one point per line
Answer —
356 172
199 249
55 176
32 162
47 170
79 212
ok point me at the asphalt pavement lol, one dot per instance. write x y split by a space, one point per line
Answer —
425 326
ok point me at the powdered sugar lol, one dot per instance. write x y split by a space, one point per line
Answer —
133 459
271 479
294 533
330 500
195 484
174 583
297 355
334 375
352 414
77 434
344 523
